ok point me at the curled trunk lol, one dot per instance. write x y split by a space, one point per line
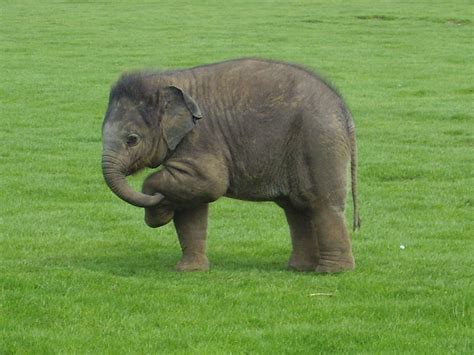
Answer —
115 178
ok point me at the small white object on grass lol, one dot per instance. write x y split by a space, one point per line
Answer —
321 294
402 246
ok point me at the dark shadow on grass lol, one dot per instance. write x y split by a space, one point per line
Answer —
231 262
150 263
120 264
377 17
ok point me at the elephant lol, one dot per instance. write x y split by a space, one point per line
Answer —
249 129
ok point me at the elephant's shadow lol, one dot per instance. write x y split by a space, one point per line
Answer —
125 264
147 263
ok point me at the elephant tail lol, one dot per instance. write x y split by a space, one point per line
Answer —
353 149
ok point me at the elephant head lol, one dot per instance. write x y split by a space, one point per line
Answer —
141 127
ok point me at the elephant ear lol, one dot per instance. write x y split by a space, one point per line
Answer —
179 115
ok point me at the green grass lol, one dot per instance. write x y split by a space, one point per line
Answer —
81 273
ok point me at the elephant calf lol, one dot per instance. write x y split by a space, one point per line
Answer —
248 129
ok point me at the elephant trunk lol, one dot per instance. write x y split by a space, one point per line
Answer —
115 177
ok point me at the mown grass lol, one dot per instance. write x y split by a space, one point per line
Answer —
79 270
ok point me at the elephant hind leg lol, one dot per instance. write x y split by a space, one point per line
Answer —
335 247
305 253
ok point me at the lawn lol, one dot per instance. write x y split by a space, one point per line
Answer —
80 272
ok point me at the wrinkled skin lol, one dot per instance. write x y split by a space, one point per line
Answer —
248 129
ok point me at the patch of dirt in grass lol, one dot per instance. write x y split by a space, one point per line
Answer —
468 141
448 21
377 17
457 22
400 177
385 174
311 20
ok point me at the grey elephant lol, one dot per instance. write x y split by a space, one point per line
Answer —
249 129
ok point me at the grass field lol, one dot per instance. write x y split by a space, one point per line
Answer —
80 272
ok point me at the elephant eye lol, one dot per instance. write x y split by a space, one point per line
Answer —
132 139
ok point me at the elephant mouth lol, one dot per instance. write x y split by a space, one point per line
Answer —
135 167
138 165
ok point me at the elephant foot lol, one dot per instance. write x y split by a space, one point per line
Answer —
302 267
157 216
326 266
187 264
302 264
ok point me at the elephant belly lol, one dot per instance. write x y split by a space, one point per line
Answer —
255 191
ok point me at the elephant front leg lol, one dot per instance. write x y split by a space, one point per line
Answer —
158 216
191 227
161 214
